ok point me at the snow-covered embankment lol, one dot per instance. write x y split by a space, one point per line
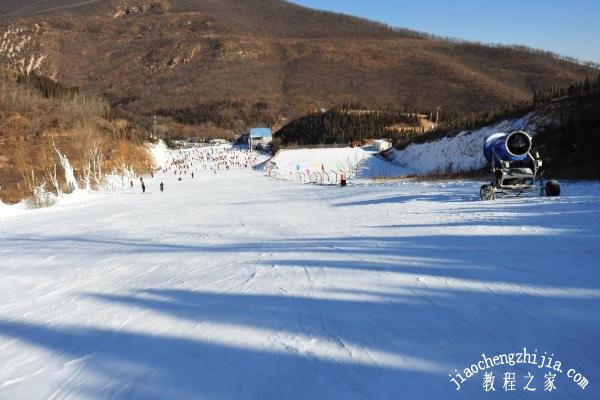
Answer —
460 153
328 165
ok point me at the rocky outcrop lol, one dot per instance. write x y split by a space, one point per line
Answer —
141 8
22 48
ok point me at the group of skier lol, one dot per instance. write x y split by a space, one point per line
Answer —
143 185
209 159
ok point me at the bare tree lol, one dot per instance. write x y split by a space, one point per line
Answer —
25 169
50 168
353 162
68 170
90 155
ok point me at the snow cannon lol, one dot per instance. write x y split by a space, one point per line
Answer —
513 146
515 168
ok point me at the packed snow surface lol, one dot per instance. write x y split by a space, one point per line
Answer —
232 285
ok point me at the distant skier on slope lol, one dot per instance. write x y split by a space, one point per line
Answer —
143 187
162 187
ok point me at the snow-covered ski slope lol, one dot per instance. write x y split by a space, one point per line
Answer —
236 286
326 165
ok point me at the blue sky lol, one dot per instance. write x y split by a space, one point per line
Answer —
567 27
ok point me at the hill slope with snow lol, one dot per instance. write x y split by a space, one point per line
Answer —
328 165
462 152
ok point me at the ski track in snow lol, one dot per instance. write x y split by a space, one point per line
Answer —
239 286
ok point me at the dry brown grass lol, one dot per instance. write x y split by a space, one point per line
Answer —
32 126
482 174
478 175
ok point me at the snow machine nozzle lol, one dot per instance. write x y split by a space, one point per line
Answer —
513 146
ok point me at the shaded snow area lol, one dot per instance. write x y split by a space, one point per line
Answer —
232 285
327 165
460 153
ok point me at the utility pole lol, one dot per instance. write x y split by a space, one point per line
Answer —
431 120
154 127
437 115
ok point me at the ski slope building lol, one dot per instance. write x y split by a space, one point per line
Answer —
260 136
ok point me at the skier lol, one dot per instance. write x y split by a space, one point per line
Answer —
143 187
192 175
131 184
162 187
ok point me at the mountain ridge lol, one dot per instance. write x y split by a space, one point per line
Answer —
179 53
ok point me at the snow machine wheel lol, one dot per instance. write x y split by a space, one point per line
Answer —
487 192
552 189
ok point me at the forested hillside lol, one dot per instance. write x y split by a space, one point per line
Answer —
179 57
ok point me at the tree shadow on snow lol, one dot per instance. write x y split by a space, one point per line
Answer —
441 328
134 365
440 197
442 299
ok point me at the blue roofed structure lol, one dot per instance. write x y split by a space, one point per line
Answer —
256 133
260 136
